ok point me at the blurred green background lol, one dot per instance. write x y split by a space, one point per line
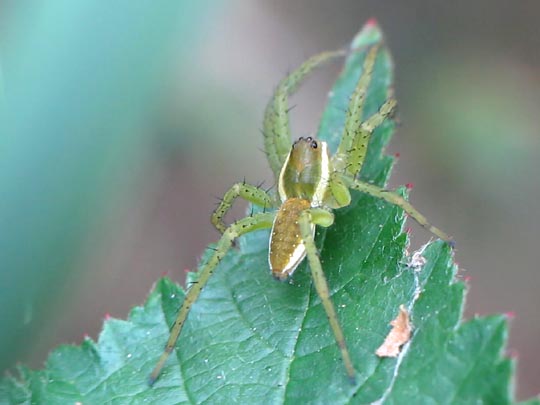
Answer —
120 123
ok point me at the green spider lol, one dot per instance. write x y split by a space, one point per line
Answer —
310 184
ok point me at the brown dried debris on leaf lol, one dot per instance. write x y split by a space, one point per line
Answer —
398 336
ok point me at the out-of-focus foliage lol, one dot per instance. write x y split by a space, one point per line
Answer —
487 129
81 81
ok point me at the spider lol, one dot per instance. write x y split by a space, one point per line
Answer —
310 184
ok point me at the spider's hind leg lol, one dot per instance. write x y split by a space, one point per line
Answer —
240 227
324 218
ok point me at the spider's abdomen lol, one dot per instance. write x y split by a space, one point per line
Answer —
286 247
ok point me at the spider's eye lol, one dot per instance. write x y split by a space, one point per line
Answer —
314 144
309 139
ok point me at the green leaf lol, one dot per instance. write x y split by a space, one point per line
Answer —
254 340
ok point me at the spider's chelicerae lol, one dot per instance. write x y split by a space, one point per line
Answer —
311 184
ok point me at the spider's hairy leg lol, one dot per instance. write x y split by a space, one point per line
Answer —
277 139
401 202
240 227
324 218
253 194
355 110
357 154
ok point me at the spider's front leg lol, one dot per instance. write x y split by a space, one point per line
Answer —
355 158
352 150
240 227
356 155
253 194
276 131
324 218
353 146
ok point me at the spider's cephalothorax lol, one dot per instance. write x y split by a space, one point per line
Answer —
311 183
305 172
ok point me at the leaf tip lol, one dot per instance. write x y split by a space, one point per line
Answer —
513 354
369 34
163 284
371 22
510 315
